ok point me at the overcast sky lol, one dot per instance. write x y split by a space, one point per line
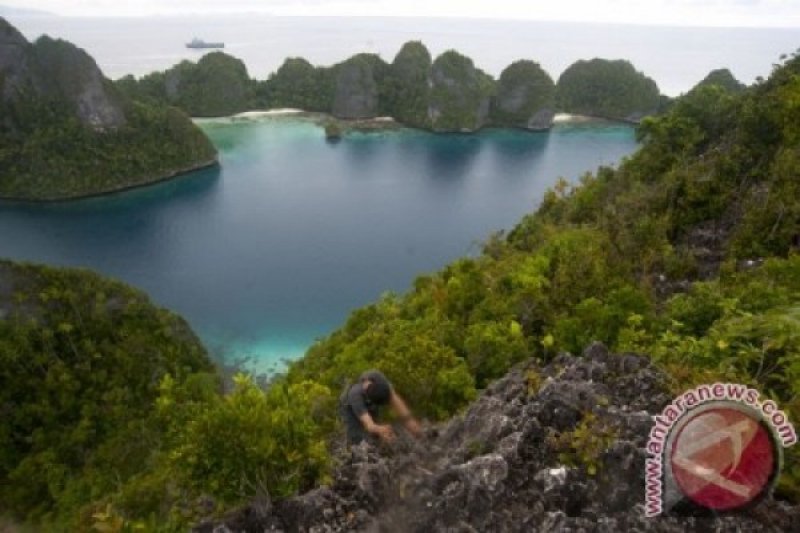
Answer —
670 12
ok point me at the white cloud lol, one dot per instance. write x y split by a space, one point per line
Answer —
661 12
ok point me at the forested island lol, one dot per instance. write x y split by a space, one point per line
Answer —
443 94
687 254
66 131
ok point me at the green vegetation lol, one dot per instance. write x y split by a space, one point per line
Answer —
357 81
298 84
405 93
609 259
67 132
81 358
608 89
155 142
217 85
448 94
460 93
687 252
333 130
585 444
113 413
523 90
723 78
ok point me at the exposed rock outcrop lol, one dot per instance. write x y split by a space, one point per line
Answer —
356 93
406 87
525 97
72 75
68 132
15 60
460 94
553 448
57 70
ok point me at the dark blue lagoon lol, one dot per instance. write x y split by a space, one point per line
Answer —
276 247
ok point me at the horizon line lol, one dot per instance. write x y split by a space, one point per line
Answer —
48 14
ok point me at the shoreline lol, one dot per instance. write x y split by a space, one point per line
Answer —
366 125
166 177
386 123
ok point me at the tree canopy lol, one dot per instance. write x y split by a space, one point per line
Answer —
523 89
607 89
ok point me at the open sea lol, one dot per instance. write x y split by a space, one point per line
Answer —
277 246
676 58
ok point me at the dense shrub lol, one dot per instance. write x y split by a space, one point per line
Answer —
80 362
523 89
155 142
298 84
405 91
657 256
609 89
217 85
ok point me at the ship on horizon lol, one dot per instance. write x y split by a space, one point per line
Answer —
200 43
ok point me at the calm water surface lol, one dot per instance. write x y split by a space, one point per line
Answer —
277 246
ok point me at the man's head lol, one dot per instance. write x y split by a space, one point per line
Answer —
377 391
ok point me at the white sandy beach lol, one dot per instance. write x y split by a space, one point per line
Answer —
568 118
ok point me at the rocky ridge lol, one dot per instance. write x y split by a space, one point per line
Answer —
460 94
57 70
446 94
69 132
525 97
356 95
547 448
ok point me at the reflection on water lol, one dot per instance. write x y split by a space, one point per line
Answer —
73 232
278 245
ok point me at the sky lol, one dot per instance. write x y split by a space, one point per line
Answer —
749 13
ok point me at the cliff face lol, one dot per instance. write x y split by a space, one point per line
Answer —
57 70
449 94
547 448
15 61
70 74
460 94
68 131
406 89
356 93
525 97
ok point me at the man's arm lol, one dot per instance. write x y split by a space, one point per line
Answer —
404 413
384 432
356 402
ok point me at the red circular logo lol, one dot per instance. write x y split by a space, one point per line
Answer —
723 457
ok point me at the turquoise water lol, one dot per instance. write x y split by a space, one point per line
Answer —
276 247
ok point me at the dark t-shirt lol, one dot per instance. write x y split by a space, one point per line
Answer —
356 400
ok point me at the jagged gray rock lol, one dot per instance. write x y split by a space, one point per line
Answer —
525 97
15 60
57 70
356 95
460 94
499 467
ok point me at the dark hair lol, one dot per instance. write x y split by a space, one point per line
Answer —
378 391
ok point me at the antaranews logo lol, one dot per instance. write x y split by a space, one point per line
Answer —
718 446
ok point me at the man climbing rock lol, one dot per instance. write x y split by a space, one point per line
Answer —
359 408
